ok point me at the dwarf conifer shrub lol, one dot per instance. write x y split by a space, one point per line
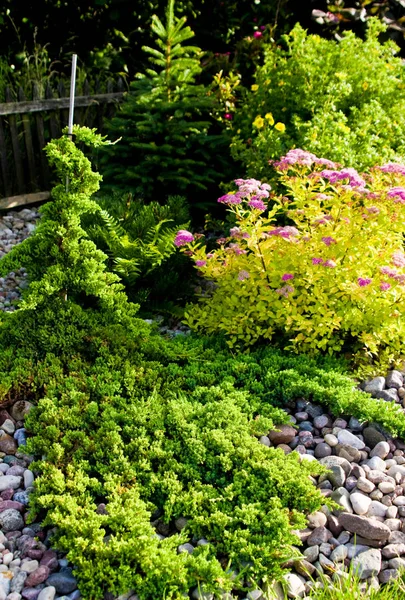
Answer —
344 100
169 144
331 279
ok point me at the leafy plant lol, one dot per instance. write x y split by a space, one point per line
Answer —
331 281
169 144
344 100
138 240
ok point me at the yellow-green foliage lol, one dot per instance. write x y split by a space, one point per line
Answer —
333 279
344 100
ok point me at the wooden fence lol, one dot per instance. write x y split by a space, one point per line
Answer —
27 125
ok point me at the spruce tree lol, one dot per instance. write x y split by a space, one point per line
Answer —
168 144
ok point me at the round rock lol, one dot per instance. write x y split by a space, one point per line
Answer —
284 435
11 520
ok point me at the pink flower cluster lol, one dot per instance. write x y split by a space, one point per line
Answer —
393 168
287 277
323 220
286 232
398 259
363 281
243 275
393 274
257 204
183 237
236 233
333 176
285 290
230 199
236 249
301 157
251 189
398 193
328 240
325 263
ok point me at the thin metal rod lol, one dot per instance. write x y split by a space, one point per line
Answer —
72 95
71 105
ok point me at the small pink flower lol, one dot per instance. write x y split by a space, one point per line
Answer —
398 259
221 241
317 261
385 286
328 240
243 275
285 290
235 232
210 255
200 263
257 34
183 237
257 205
230 199
363 281
329 263
228 116
287 276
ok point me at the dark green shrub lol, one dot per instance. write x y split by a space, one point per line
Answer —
169 141
138 240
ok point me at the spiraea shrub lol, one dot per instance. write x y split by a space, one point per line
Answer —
344 100
331 279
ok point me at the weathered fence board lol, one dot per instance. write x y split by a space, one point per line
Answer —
27 125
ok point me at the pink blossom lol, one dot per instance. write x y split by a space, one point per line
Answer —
257 34
393 168
297 156
230 199
235 248
243 275
257 205
363 281
285 290
329 263
317 261
287 276
210 256
235 232
349 173
398 193
221 241
228 116
200 263
373 210
183 237
398 259
285 232
385 286
329 240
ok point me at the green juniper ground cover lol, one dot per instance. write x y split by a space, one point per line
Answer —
133 431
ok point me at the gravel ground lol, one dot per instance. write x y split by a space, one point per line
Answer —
367 480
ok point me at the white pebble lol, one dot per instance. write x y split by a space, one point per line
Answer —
331 440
